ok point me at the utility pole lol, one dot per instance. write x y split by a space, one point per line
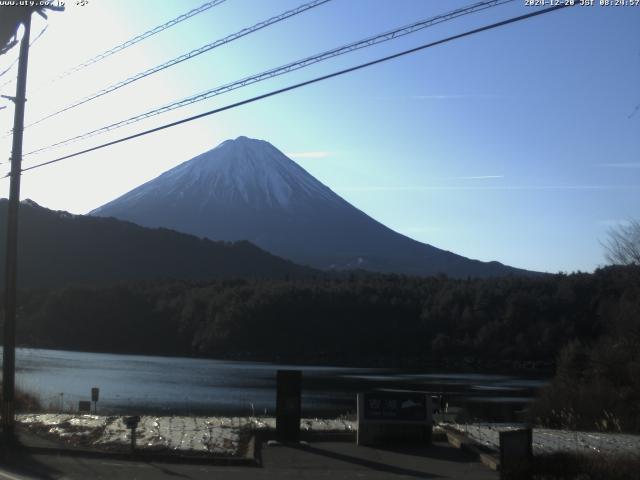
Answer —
10 293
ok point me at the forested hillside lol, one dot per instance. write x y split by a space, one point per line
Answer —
57 248
363 318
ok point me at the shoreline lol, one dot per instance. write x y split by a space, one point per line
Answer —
458 364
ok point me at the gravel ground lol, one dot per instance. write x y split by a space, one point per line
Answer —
548 441
224 436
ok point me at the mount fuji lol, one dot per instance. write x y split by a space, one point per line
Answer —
246 189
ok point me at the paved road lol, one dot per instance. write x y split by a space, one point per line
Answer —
321 460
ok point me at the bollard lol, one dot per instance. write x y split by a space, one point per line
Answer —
516 455
95 395
288 405
84 406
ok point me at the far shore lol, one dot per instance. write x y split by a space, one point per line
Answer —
455 364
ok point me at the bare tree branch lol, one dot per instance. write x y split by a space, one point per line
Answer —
623 245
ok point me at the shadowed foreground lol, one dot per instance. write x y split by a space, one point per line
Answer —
339 460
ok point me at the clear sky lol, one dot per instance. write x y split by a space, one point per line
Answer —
519 145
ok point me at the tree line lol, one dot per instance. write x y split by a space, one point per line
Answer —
371 319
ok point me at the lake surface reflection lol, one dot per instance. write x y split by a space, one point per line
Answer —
132 383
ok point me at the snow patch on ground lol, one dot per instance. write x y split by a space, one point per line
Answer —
215 435
546 440
224 435
185 434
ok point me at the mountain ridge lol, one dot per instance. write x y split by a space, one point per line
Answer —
59 248
248 189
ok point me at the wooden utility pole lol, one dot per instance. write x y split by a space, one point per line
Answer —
10 292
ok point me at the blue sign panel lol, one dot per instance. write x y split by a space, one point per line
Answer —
397 406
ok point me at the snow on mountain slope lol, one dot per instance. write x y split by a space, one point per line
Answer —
246 189
249 171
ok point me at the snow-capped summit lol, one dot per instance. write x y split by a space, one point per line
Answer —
244 171
246 189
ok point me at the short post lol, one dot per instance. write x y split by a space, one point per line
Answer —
95 395
132 424
84 406
516 454
288 405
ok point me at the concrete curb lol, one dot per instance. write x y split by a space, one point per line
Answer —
327 436
484 455
249 459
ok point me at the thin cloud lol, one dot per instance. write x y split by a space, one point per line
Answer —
318 154
513 188
613 222
438 97
454 96
620 165
477 177
422 229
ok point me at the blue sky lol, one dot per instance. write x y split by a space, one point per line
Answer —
518 145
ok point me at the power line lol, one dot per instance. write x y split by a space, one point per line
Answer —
138 38
303 84
15 60
289 67
4 72
187 56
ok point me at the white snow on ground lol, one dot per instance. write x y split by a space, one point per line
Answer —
189 434
54 419
327 425
547 440
222 435
216 435
66 426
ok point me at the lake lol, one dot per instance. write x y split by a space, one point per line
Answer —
136 384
